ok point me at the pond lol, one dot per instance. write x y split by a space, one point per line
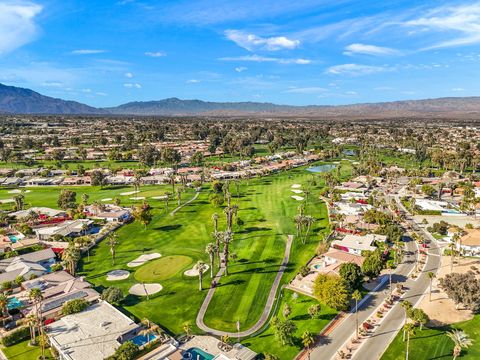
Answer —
321 168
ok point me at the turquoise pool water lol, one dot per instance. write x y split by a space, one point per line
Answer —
197 354
14 303
141 340
318 266
321 168
13 238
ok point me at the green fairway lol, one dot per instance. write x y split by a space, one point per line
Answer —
430 344
267 210
162 269
266 342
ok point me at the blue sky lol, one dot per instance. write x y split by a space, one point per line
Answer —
109 52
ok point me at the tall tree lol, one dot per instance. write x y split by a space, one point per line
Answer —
357 296
461 341
211 251
200 267
112 243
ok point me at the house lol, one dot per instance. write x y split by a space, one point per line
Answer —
470 242
57 288
332 260
110 213
75 337
69 228
42 212
36 263
355 244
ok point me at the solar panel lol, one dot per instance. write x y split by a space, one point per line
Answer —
59 302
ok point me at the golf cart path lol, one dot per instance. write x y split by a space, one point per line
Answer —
268 306
186 203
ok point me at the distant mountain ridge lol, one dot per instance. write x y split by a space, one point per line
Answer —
24 101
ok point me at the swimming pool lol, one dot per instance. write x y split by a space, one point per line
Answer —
13 238
321 168
318 266
14 303
197 354
142 340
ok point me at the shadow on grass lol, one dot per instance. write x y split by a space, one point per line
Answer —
233 282
169 227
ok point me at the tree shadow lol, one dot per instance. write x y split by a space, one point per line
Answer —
169 227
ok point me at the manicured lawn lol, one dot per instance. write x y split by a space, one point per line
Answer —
434 344
22 351
267 209
268 343
163 268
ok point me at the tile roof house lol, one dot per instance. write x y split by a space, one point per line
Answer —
355 244
26 265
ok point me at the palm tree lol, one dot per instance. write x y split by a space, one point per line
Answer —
410 330
211 250
307 341
149 328
227 239
215 222
298 219
200 266
35 295
452 247
431 276
19 201
356 296
188 329
307 221
112 242
461 341
85 198
71 255
407 306
32 323
3 306
166 198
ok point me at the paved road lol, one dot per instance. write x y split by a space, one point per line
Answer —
184 204
268 306
374 347
343 332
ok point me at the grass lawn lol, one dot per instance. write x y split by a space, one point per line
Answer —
22 351
268 343
265 206
163 268
434 344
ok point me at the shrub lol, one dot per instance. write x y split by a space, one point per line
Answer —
74 306
112 294
56 267
16 336
127 351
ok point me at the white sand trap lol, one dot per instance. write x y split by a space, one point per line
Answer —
6 201
296 191
145 289
18 191
142 259
163 197
296 186
298 198
107 199
194 272
129 193
116 275
138 198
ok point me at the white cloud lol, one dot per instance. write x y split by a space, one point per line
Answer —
356 69
365 49
155 54
17 26
54 84
458 89
257 58
463 20
306 90
193 81
99 93
253 42
241 69
351 93
86 91
132 85
128 75
87 51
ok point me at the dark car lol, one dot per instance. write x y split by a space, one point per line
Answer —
11 325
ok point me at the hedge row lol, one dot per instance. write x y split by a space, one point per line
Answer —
16 336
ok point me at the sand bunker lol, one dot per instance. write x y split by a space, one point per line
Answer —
18 191
145 289
296 191
163 197
129 193
296 186
298 198
138 198
107 199
116 275
142 259
6 201
194 272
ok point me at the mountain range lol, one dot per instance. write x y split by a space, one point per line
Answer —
17 100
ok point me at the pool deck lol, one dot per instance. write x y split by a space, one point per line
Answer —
209 345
